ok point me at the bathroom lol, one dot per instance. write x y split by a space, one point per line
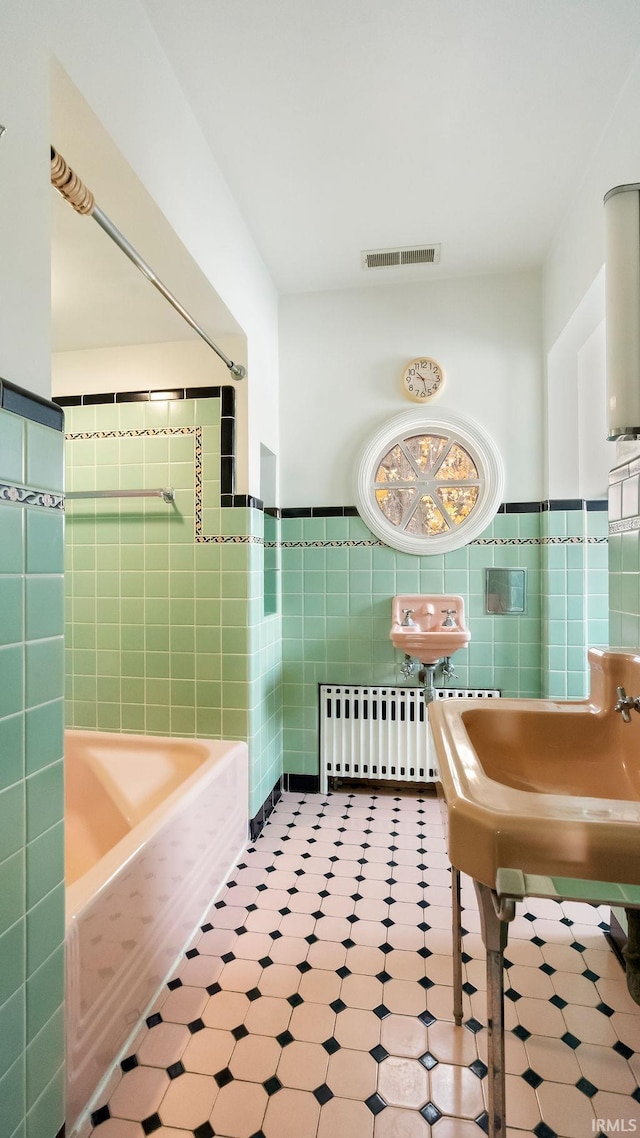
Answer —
528 342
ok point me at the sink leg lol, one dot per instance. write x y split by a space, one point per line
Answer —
494 935
457 945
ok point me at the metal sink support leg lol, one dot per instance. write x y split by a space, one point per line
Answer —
457 945
495 913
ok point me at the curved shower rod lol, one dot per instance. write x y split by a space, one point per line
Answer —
79 196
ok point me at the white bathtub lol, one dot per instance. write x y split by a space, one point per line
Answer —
153 827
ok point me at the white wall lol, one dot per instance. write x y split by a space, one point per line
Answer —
576 254
111 54
342 355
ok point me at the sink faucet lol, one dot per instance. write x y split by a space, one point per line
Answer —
448 621
626 704
408 622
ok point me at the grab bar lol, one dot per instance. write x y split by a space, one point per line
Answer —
167 494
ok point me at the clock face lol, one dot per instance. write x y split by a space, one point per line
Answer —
422 379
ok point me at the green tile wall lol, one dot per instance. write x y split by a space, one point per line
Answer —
336 606
31 784
624 559
165 634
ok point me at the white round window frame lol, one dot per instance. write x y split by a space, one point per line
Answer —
483 451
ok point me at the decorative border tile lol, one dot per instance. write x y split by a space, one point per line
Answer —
23 497
624 525
351 544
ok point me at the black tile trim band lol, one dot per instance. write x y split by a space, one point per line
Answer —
302 783
29 406
550 504
256 823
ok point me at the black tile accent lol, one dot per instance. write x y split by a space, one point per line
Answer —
223 1077
597 505
379 1053
175 1070
544 1131
154 1020
429 1061
121 397
323 1094
586 1087
303 783
202 393
426 1018
196 1025
431 1113
471 991
102 1114
483 1121
575 944
532 1077
284 1039
228 401
331 1045
623 1050
375 1103
473 1024
295 1000
265 962
521 1032
204 1131
548 969
194 951
303 966
30 406
227 478
605 1009
254 994
151 1124
570 1040
129 1063
383 977
338 1006
558 1002
538 941
256 824
635 1095
177 983
344 972
240 1031
227 436
520 508
68 400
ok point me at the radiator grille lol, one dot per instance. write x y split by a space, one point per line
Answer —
380 733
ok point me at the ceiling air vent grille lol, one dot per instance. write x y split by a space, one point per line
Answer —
411 255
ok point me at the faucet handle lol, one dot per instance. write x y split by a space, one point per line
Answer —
407 617
623 704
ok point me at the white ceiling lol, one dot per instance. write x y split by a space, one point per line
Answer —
344 125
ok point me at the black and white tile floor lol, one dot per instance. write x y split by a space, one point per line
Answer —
316 1000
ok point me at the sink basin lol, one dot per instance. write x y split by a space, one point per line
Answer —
546 787
427 639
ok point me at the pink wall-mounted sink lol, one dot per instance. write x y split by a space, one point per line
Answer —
438 629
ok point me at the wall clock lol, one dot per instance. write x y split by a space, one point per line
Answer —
422 379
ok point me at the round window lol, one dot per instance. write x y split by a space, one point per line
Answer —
428 484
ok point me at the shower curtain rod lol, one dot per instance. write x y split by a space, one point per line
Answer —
79 196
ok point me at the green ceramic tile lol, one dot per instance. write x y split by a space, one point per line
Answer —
12 887
45 863
45 928
12 1096
45 991
45 1054
12 962
44 607
12 545
12 1030
12 435
11 680
11 750
44 668
44 799
45 465
45 549
11 610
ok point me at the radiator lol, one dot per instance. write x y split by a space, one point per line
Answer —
380 733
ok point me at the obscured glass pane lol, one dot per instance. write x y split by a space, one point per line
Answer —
394 503
458 501
457 464
426 449
427 519
395 467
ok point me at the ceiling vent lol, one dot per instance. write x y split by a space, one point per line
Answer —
410 255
